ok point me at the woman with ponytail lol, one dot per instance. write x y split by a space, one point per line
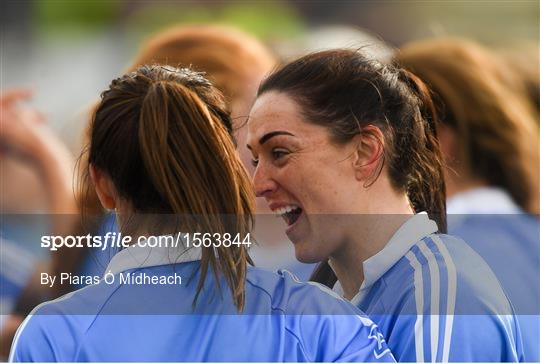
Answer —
346 151
161 155
490 142
234 61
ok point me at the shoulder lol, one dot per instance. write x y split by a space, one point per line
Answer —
447 267
53 330
326 327
288 295
452 290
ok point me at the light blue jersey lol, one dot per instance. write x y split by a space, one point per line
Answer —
279 257
509 241
435 299
284 320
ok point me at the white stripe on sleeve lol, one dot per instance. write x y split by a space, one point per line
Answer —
435 297
419 298
451 296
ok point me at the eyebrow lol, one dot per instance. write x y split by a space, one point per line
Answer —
266 137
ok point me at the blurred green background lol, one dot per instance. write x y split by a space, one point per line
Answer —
74 47
394 21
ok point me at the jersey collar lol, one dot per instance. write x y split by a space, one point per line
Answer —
412 231
137 256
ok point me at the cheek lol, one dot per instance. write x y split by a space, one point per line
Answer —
327 190
293 177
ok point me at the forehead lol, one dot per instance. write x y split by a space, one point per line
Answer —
275 111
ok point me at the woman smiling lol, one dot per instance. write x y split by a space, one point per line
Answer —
345 151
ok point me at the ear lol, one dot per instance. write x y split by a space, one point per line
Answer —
104 188
369 152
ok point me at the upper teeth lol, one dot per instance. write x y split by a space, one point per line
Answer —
285 209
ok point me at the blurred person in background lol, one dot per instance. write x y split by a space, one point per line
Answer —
25 137
490 144
16 268
524 61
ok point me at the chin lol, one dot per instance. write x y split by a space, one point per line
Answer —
307 253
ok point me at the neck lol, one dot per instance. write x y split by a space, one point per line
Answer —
368 235
349 272
139 225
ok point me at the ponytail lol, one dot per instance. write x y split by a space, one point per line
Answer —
178 158
426 188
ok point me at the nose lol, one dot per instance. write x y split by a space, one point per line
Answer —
263 183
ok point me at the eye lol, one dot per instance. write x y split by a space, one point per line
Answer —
279 153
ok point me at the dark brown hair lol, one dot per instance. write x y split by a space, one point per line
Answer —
162 135
497 135
345 91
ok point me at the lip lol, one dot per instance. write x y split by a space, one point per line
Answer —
277 205
280 204
290 228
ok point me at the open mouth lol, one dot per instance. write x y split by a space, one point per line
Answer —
290 213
